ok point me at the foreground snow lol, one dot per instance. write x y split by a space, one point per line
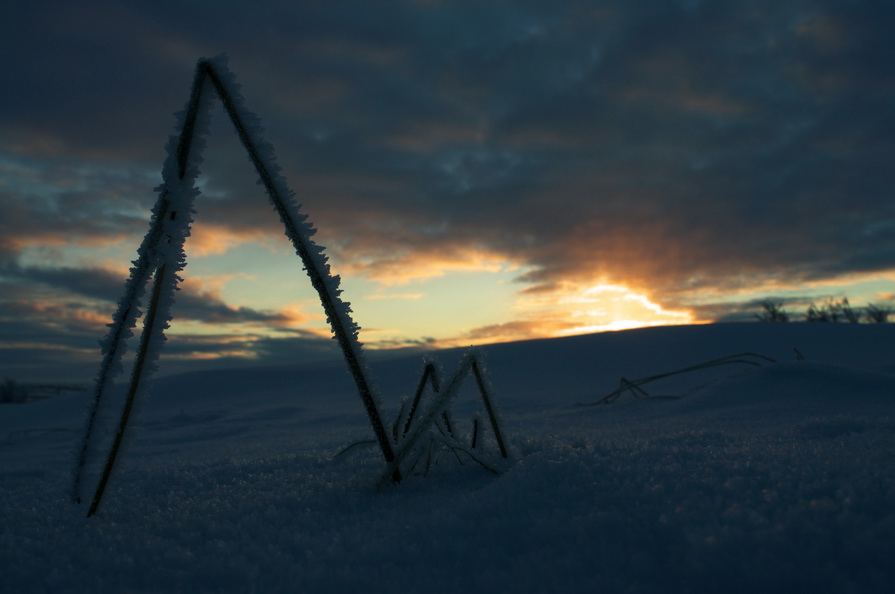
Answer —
773 478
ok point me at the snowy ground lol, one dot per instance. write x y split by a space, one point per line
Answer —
778 478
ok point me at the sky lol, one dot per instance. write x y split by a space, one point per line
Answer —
477 171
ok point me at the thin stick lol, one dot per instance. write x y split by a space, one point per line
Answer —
147 262
350 348
430 374
489 407
139 365
634 385
124 320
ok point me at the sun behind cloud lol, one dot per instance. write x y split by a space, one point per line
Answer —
568 308
615 307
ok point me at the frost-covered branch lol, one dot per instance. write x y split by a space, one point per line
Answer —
299 231
161 256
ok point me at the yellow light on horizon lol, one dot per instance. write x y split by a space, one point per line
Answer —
569 309
605 307
581 309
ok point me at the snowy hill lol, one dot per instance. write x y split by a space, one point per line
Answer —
777 477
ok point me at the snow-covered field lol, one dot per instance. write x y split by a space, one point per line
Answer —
779 478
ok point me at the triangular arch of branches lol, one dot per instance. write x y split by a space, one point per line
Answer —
161 257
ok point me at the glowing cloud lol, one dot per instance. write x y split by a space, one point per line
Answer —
568 308
423 264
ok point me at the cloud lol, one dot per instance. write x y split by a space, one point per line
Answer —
48 340
57 336
567 308
412 296
94 283
68 310
195 301
691 152
213 239
224 349
420 265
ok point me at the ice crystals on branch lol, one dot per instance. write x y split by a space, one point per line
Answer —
161 257
420 434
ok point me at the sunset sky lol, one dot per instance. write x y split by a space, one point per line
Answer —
478 170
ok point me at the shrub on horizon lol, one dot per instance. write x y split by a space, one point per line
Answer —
833 311
877 314
773 312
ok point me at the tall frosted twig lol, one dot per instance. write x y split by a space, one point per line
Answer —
161 254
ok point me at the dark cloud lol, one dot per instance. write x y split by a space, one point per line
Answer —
55 332
43 341
676 147
88 282
184 352
104 285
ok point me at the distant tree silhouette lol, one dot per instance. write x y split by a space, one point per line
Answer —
773 312
877 314
833 311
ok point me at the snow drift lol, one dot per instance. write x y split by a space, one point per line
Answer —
776 478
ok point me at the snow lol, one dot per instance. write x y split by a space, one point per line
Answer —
776 478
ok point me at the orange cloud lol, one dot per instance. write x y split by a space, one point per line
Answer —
293 315
208 286
424 264
201 300
209 239
198 347
378 296
567 308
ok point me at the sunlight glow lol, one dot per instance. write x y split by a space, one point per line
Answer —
614 307
446 299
